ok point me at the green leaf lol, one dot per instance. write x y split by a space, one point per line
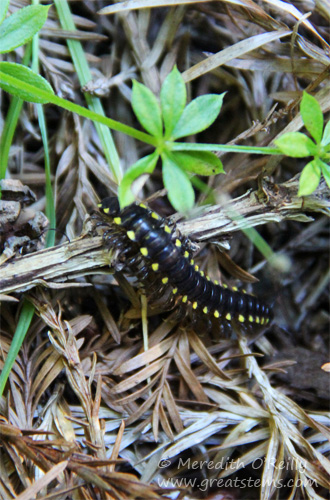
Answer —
4 4
147 109
145 165
326 135
25 75
21 26
325 171
312 116
296 144
180 191
173 97
198 115
198 162
309 179
23 325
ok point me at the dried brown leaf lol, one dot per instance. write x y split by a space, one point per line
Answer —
190 379
139 377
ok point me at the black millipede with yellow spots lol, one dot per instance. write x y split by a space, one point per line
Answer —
167 255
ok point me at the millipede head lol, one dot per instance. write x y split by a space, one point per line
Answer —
110 206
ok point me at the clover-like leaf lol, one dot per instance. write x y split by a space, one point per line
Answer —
180 191
312 116
21 26
145 165
173 97
309 179
198 115
24 74
199 162
296 144
147 109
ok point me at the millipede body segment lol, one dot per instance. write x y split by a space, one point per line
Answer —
167 254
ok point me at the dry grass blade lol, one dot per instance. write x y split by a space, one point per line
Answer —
139 377
143 408
232 52
201 351
34 489
293 11
142 4
271 474
172 408
190 379
191 435
145 358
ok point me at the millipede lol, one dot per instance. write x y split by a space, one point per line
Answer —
166 256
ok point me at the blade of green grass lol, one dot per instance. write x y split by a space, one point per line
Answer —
50 205
22 327
84 75
11 122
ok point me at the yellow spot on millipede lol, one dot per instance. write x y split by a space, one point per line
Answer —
194 305
241 318
185 298
251 318
106 210
257 319
142 205
155 216
201 273
262 321
192 262
131 235
167 229
116 220
165 280
144 251
99 205
216 314
174 291
205 310
216 282
228 317
224 285
177 243
186 254
196 267
155 266
235 289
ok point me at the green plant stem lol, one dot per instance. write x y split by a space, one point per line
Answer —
75 108
84 75
259 242
24 322
11 122
228 148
